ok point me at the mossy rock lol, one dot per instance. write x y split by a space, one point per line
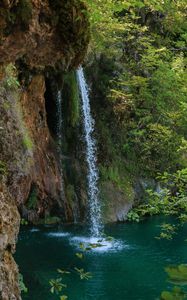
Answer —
19 14
51 220
72 23
72 93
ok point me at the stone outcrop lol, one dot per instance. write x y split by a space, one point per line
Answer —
9 227
43 33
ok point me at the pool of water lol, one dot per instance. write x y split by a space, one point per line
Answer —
131 267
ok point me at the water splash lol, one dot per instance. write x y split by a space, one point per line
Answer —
91 157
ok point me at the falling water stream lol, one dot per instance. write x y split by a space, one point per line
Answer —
91 157
59 141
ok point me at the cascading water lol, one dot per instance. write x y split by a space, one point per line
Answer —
59 140
91 151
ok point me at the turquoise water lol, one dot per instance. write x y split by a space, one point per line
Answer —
129 268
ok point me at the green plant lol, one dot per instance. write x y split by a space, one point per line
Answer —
24 222
176 294
83 274
11 80
177 275
56 285
167 231
133 216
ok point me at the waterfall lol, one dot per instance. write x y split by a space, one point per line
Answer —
59 141
59 119
91 158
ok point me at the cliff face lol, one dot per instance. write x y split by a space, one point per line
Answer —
43 33
37 37
9 226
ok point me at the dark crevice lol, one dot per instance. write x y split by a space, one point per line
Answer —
51 106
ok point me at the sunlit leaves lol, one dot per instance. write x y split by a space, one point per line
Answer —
63 297
176 294
56 285
177 274
79 255
167 231
61 271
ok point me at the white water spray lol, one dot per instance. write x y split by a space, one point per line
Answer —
91 157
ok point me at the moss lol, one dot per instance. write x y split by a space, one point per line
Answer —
27 142
70 193
33 197
51 220
118 176
73 96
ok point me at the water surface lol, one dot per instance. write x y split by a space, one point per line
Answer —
129 268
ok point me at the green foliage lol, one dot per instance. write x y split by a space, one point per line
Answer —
83 274
22 286
133 216
140 83
11 80
79 255
62 271
171 200
24 222
56 285
177 274
63 297
176 294
111 173
167 231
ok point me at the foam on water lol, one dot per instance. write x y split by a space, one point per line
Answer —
104 245
34 230
58 234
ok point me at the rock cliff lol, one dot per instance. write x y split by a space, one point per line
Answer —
36 37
